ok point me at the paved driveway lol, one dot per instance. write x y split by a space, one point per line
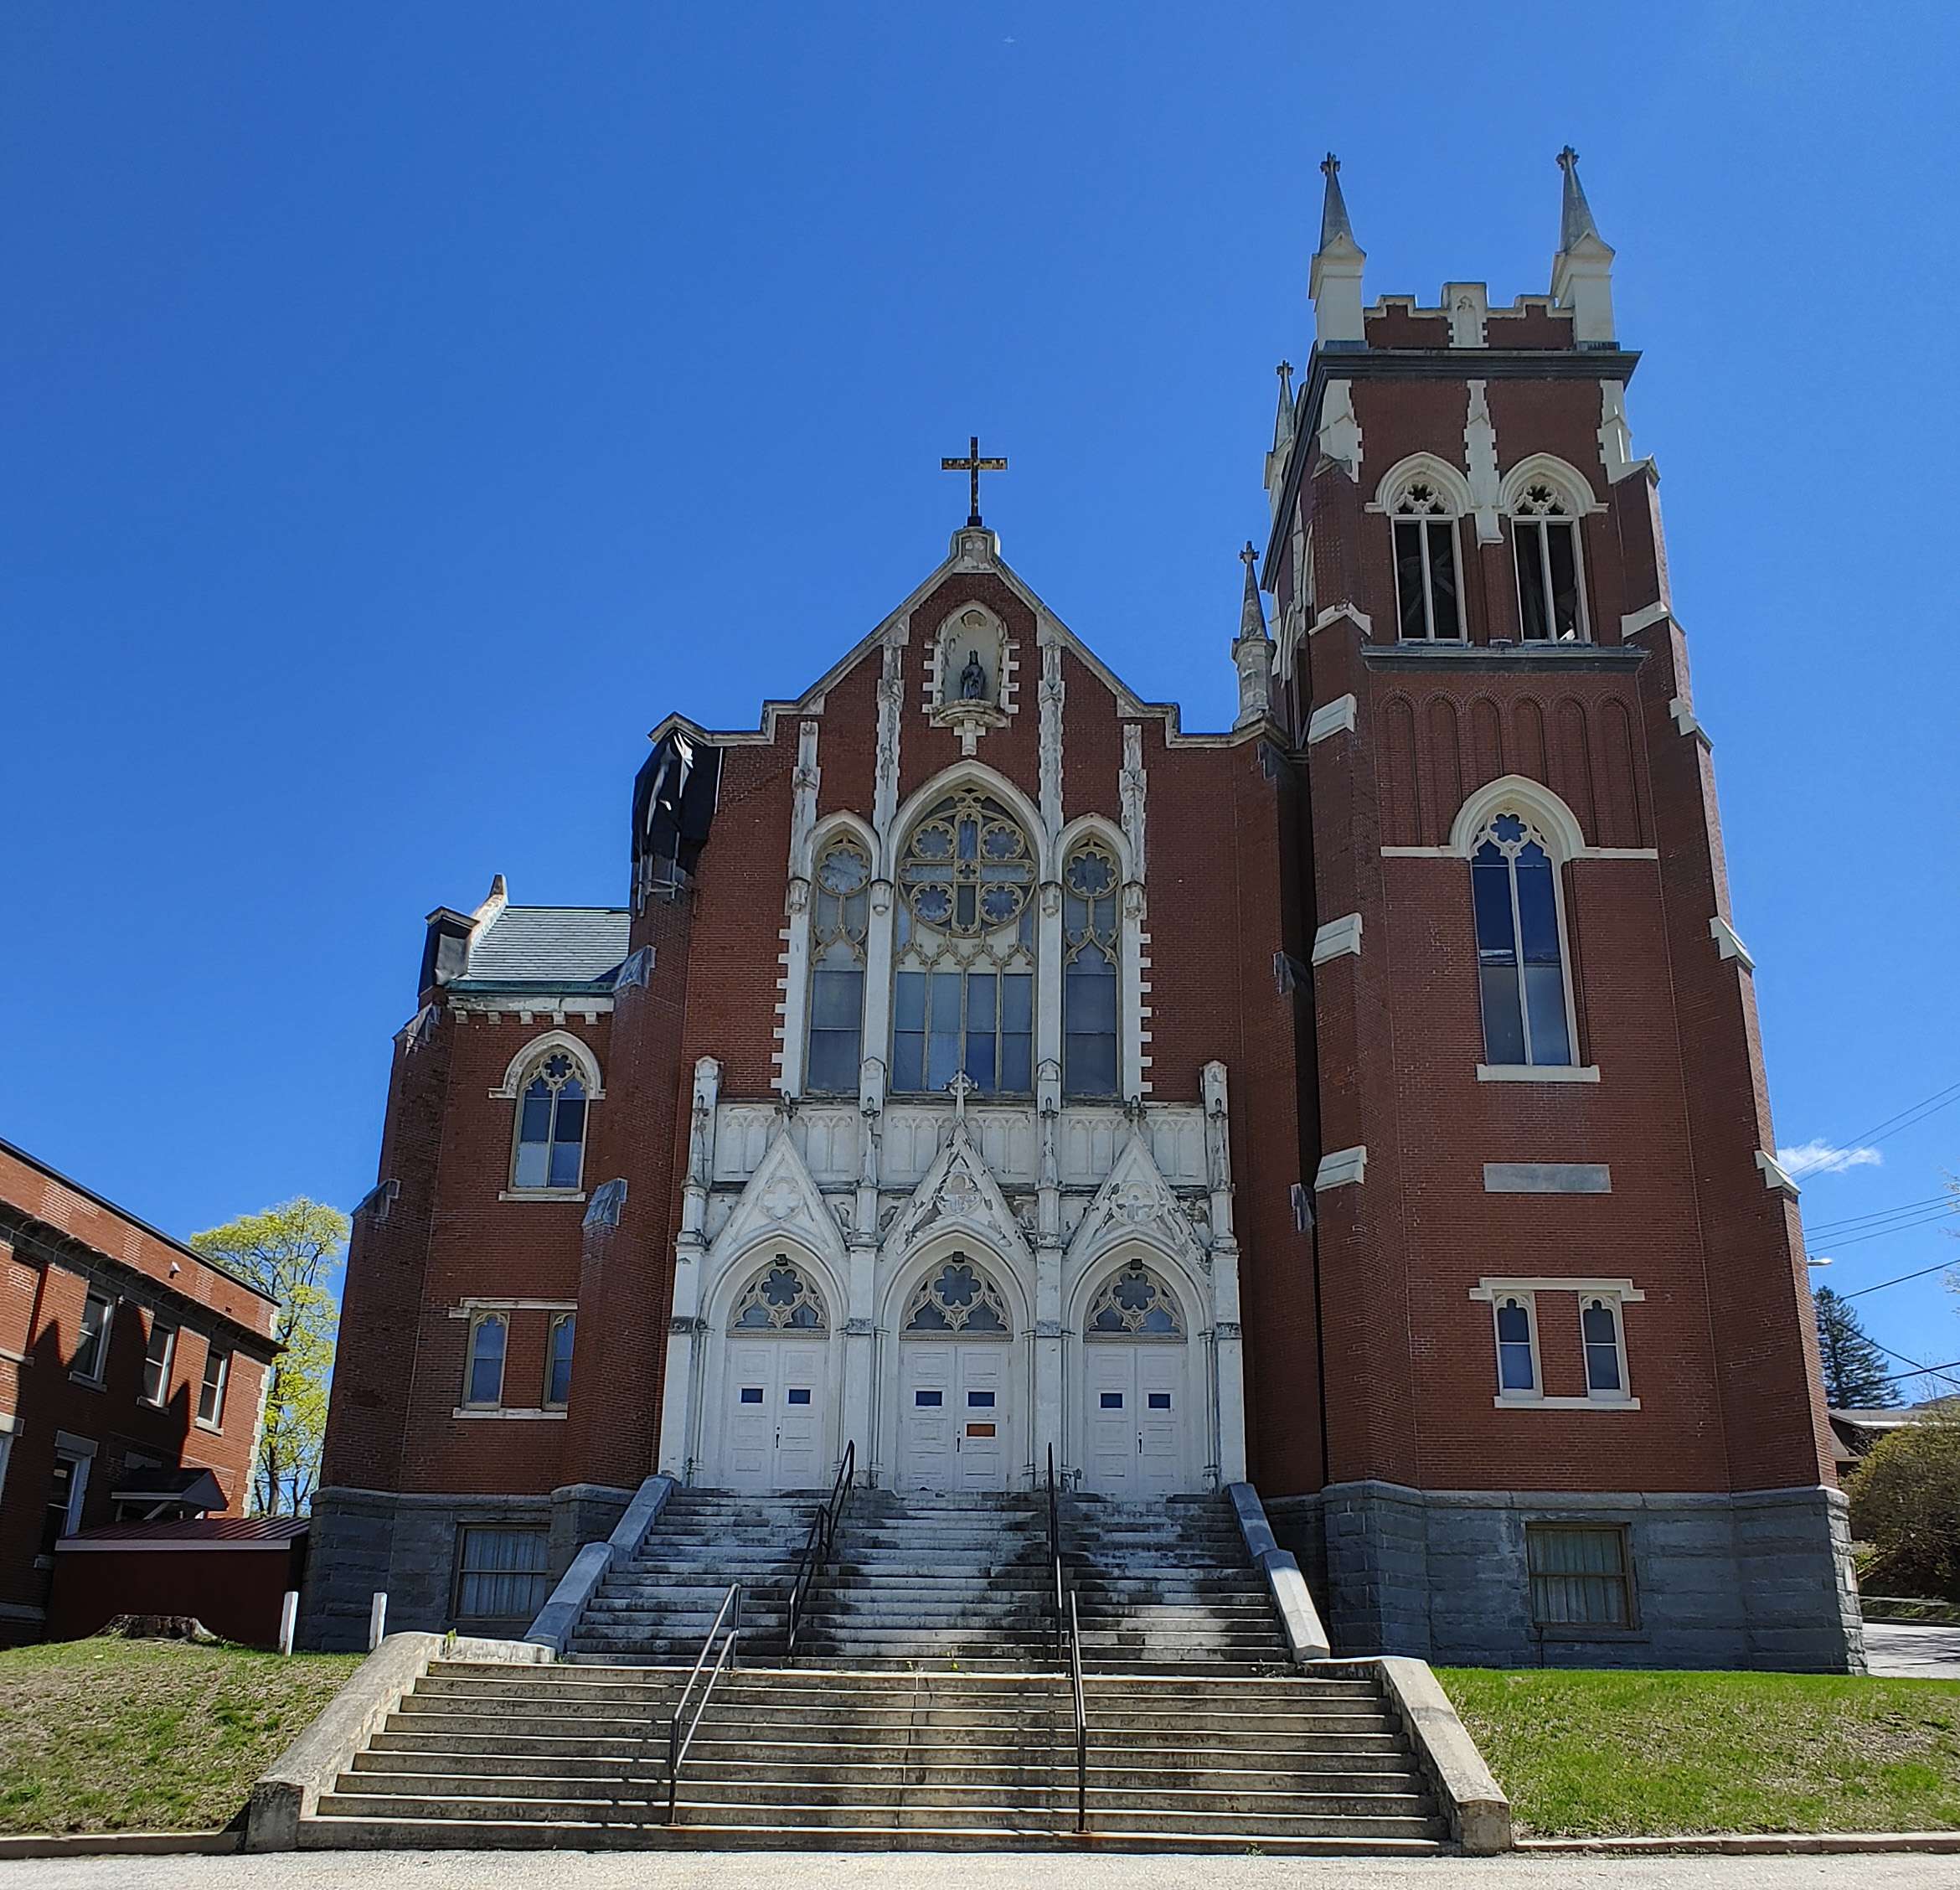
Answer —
926 1871
1912 1653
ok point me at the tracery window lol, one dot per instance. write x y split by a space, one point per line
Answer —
1544 541
558 1360
1089 971
551 1126
837 926
1600 1333
1517 1348
780 1299
483 1377
1520 951
959 1298
963 988
1135 1304
1426 591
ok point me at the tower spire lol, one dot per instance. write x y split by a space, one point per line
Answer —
1335 283
1282 436
1252 647
1582 271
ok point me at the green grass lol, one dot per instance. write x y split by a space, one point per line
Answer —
147 1735
1609 1755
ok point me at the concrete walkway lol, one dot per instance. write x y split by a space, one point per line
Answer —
547 1870
1907 1651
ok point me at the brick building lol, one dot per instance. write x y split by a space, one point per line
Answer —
1365 1100
132 1379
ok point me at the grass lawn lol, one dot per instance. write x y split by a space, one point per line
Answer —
147 1735
1609 1755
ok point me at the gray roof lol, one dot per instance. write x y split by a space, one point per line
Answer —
548 948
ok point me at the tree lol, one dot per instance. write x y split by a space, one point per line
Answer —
1905 1502
1854 1373
292 1251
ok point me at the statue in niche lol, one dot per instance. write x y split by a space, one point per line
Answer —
973 679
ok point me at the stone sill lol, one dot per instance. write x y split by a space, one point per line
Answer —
541 1195
1538 1073
505 1411
1504 1403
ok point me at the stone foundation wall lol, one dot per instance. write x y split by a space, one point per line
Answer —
365 1539
1761 1579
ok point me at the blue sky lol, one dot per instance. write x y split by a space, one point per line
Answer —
406 407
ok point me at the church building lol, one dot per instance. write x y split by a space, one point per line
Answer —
1364 1102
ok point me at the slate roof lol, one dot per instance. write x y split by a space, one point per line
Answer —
548 948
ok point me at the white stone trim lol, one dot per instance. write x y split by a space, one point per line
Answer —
1727 944
1635 621
466 1308
1481 455
1343 611
1493 1284
1342 1166
536 1051
1685 720
1584 853
1547 1178
1775 1176
1538 1073
1423 468
1337 717
1544 468
541 1193
556 1411
1337 938
1517 1404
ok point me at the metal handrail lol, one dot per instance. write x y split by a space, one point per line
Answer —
1082 1721
676 1746
1054 1552
817 1547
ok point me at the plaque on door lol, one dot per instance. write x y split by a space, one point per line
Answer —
980 1430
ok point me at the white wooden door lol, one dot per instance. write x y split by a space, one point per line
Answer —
954 1421
776 1414
1136 1421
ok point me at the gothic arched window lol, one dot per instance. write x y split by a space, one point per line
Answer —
483 1377
1428 605
1089 971
1544 541
557 1360
963 986
958 1299
1520 945
838 923
780 1299
1135 1304
551 1126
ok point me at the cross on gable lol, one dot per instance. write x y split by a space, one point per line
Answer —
974 466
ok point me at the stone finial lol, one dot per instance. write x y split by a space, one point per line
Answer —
1334 225
1252 611
1582 271
1334 285
1252 650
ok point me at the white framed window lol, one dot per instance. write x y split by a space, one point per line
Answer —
211 1391
1551 579
558 1361
1515 1324
551 1149
1519 908
1429 605
502 1573
1091 944
91 1351
1602 1336
68 1490
159 1348
840 922
963 980
483 1370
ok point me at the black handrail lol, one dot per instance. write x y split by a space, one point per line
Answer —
676 1746
1082 1721
1054 1552
817 1547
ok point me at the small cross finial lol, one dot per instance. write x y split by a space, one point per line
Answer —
1329 164
1249 558
1284 368
1567 158
960 1088
972 466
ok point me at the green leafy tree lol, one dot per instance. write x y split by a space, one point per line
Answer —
292 1251
1854 1373
1906 1503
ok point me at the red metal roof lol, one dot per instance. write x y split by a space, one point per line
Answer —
207 1532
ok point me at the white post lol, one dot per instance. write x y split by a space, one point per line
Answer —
377 1619
288 1620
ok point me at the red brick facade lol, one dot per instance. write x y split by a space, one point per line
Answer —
58 1245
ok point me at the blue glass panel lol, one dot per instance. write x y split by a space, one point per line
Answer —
1503 1020
1112 1401
751 1394
980 1401
908 1000
1160 1401
1513 1325
1538 911
797 1394
1490 893
980 1000
1544 991
926 1401
1016 1065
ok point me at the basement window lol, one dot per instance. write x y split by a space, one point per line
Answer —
1580 1577
502 1574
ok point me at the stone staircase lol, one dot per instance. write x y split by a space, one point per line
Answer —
656 1608
483 1755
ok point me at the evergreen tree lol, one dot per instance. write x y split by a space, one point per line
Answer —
1854 1373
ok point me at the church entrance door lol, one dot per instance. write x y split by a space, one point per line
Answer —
953 1415
1136 1423
776 1414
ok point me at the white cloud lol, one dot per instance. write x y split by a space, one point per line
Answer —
1825 1157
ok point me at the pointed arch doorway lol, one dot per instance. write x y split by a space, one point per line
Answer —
1139 1416
776 1383
956 1417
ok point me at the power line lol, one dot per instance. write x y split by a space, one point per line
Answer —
1904 1227
1886 1213
1918 1370
1944 1267
1906 1118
